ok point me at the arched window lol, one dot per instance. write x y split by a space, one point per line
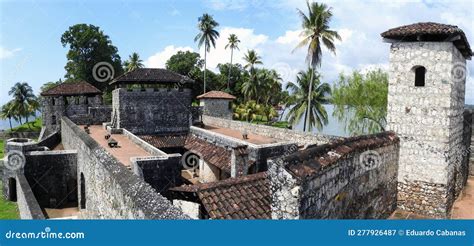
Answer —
420 72
53 120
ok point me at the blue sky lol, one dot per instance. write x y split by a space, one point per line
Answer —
30 31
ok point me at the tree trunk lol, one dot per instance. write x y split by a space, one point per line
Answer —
228 80
205 66
10 121
308 110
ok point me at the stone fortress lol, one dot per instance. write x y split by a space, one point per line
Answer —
152 155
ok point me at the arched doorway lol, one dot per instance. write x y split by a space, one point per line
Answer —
12 189
83 192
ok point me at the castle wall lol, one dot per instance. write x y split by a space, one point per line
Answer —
272 132
27 204
362 184
220 108
429 122
152 111
111 190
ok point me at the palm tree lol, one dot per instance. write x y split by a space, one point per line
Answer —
317 115
207 35
316 31
232 44
8 112
252 59
133 62
22 96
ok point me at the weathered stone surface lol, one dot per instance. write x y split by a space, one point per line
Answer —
221 108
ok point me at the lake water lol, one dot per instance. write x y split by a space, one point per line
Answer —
4 125
334 126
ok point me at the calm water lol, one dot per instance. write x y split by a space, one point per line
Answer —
334 127
4 125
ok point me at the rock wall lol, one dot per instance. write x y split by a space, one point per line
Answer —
26 201
273 132
220 108
152 111
355 178
429 121
107 189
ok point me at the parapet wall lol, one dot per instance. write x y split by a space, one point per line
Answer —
355 178
152 111
26 201
107 189
273 132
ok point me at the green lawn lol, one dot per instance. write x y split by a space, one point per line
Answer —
8 210
2 146
33 126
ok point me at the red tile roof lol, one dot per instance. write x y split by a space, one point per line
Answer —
210 153
430 31
246 197
166 141
216 95
72 89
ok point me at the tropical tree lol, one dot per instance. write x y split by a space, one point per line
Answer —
22 97
253 111
360 100
317 115
133 62
316 31
252 59
8 112
233 43
207 35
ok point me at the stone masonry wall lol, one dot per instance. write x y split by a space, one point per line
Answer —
429 122
356 183
27 204
152 111
111 190
220 108
273 132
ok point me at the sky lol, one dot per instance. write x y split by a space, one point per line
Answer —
31 51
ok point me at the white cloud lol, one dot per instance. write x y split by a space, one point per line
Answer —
159 59
6 53
290 37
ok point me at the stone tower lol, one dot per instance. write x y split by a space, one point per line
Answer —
217 104
425 108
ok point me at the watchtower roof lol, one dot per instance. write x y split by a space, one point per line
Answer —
431 31
216 95
151 76
72 89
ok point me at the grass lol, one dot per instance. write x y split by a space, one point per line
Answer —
8 210
279 124
2 146
33 126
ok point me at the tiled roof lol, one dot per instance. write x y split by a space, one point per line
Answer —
151 76
72 89
216 95
310 161
430 31
210 153
166 141
246 197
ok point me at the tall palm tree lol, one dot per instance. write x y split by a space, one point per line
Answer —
317 115
22 96
316 31
8 112
207 35
233 43
133 62
252 59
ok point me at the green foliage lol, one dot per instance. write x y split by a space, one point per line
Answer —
360 101
319 96
8 210
34 126
2 148
252 111
184 62
133 62
252 59
207 35
23 104
88 45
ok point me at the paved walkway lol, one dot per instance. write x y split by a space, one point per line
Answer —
252 138
463 207
125 150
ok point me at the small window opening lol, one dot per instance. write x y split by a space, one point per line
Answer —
420 76
53 120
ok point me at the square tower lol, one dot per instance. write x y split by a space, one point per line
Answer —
426 93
